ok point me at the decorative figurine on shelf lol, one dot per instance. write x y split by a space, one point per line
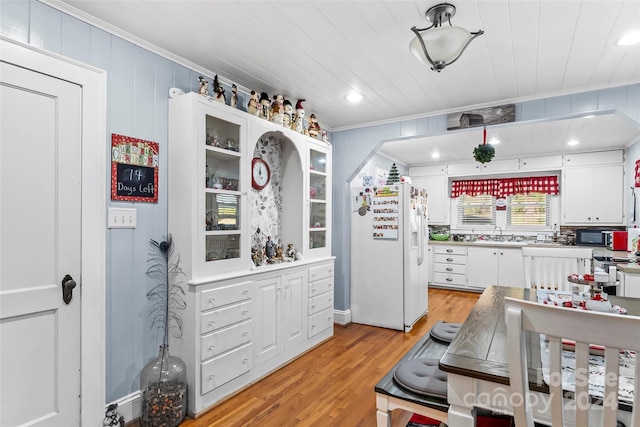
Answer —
234 96
277 109
291 252
264 105
219 90
297 123
256 256
253 107
314 127
204 86
325 137
112 418
287 117
279 253
269 248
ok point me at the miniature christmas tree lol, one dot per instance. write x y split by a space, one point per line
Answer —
394 176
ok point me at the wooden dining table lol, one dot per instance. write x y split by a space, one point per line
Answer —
477 359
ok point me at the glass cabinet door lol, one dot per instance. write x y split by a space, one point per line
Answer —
317 199
221 181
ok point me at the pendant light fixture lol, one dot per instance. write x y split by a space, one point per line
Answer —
440 46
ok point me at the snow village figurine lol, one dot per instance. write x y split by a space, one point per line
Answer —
314 127
253 107
219 90
234 96
297 123
204 86
256 256
112 417
288 114
277 109
270 249
279 254
265 104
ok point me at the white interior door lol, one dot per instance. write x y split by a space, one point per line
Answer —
40 233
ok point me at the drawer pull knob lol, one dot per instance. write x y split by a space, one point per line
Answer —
313 306
211 323
211 300
449 269
245 292
245 360
245 333
449 250
313 326
449 279
211 347
449 259
245 312
212 377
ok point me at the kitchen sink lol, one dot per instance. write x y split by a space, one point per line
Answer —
500 242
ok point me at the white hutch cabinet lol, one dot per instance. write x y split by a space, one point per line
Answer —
244 320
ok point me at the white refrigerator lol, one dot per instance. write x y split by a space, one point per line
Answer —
388 278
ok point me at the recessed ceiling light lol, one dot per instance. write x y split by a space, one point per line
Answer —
494 141
573 142
435 155
630 38
354 97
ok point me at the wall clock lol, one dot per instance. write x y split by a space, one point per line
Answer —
260 173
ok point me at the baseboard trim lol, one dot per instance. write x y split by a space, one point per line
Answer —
128 407
342 317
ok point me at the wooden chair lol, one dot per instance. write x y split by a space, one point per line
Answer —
614 332
548 268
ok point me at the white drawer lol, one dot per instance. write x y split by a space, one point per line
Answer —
320 322
450 279
450 268
450 250
320 272
225 339
223 369
320 302
320 286
450 259
225 316
219 297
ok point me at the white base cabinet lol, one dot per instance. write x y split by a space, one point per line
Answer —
237 330
494 266
629 285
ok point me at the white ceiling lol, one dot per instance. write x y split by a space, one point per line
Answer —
320 50
595 133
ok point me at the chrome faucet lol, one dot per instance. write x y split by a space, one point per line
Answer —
497 227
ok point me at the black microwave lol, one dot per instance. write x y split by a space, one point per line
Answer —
591 237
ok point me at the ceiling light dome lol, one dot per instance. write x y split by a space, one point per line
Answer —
440 46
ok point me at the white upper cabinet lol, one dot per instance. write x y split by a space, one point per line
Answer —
593 195
437 197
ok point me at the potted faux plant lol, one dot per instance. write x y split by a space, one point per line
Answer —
484 152
163 382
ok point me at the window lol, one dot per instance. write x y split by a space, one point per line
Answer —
476 210
531 209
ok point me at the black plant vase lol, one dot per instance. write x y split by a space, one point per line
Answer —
163 384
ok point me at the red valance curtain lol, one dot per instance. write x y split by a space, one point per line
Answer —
504 187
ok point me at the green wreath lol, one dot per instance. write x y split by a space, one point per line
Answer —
483 153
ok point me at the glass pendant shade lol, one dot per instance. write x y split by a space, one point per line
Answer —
444 45
440 45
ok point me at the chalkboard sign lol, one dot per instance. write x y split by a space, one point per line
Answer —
134 169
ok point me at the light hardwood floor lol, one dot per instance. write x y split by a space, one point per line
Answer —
333 384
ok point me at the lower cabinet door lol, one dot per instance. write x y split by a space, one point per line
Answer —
226 367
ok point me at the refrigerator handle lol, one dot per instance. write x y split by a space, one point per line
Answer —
421 235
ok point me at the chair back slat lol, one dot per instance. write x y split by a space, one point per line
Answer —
548 268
